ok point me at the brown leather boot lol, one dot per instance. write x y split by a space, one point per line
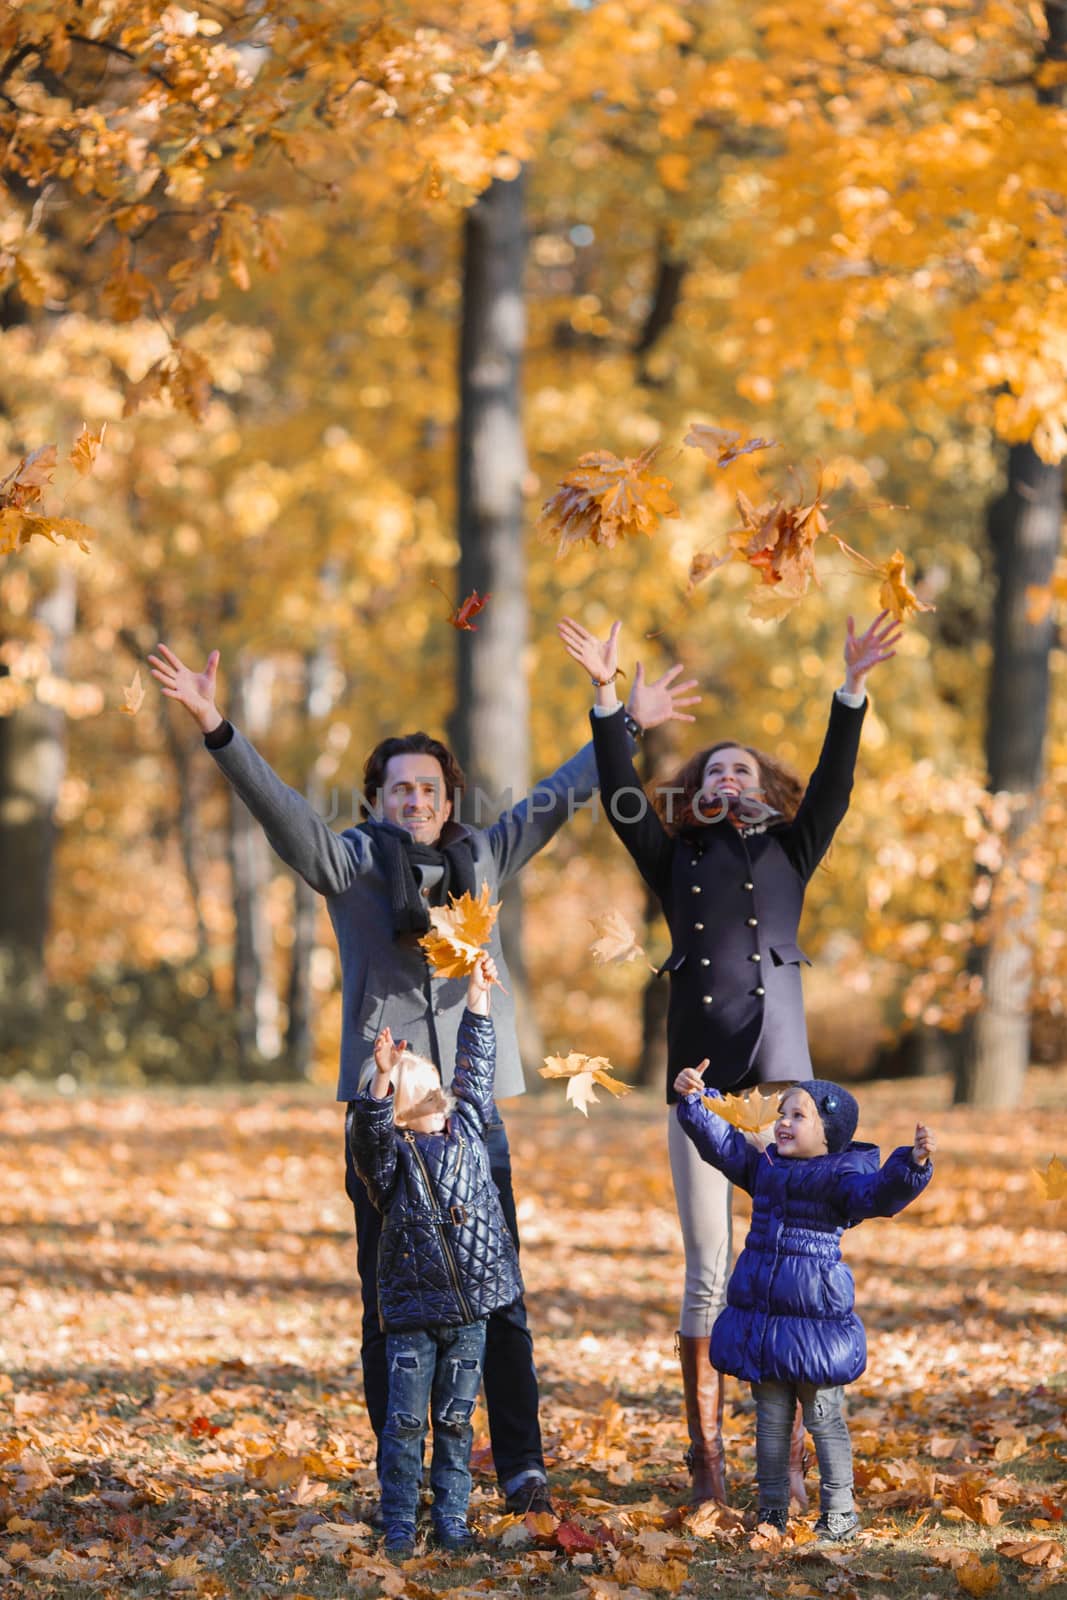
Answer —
703 1388
797 1462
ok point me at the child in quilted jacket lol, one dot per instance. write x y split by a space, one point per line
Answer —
446 1260
788 1327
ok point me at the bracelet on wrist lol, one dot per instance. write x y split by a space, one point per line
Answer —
602 683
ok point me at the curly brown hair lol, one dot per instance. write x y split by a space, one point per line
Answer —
409 744
673 802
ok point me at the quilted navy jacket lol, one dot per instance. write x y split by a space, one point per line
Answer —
446 1256
789 1304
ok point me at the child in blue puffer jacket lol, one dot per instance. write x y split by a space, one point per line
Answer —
446 1260
788 1327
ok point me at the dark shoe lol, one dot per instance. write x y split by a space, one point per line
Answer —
834 1525
452 1534
531 1495
399 1543
778 1520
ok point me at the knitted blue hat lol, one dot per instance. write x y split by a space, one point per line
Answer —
838 1109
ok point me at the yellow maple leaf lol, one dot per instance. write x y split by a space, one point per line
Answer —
459 933
133 695
583 1072
747 1112
615 939
894 594
18 527
85 449
1053 1181
605 499
977 1578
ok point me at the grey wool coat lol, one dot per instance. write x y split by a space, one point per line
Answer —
386 981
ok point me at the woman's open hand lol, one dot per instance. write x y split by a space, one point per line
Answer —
866 650
663 699
599 657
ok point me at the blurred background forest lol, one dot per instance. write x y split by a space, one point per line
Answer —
352 287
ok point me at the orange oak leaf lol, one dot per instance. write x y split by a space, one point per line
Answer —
1032 1552
133 696
605 499
723 445
582 1073
459 933
17 528
747 1112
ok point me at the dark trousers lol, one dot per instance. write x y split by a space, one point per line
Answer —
511 1396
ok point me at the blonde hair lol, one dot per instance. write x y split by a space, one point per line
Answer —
417 1089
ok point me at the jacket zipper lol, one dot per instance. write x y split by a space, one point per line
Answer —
450 1260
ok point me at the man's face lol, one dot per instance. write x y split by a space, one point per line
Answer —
413 796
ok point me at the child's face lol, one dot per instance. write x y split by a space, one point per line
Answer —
799 1132
418 1099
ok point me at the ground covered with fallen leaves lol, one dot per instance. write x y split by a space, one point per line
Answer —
180 1401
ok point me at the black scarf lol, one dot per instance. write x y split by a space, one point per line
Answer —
401 855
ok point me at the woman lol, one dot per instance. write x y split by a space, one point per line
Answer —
728 848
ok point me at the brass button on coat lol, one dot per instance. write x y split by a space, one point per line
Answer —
695 889
706 998
698 927
761 992
748 885
705 961
756 957
753 922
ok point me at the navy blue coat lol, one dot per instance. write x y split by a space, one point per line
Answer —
732 900
789 1303
446 1256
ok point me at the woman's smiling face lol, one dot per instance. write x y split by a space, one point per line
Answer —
730 771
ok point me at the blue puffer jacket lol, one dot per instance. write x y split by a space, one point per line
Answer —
446 1256
789 1305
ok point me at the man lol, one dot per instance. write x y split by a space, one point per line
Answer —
379 878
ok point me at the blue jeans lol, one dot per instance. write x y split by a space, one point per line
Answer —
439 1369
776 1405
511 1393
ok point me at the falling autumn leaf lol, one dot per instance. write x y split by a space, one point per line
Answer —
1053 1181
723 445
85 449
133 696
749 1112
582 1073
615 940
894 595
777 540
461 617
459 933
605 499
24 486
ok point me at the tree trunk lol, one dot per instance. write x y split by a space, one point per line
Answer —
254 990
490 724
1024 529
33 759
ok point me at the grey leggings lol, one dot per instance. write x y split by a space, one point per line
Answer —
776 1405
703 1198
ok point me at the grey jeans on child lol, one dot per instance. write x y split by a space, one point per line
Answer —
776 1405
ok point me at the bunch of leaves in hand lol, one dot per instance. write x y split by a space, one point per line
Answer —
605 499
459 933
583 1072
